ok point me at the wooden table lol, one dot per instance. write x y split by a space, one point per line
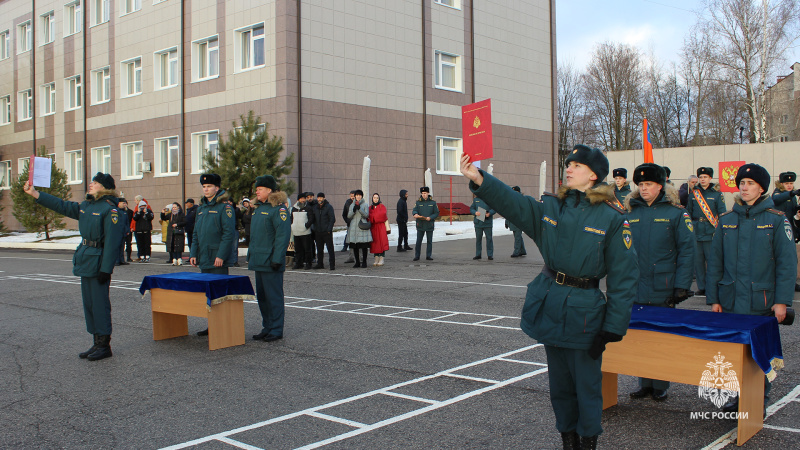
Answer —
670 357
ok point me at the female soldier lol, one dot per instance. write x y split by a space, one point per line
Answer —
583 237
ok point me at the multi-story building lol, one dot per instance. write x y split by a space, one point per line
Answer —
783 107
142 89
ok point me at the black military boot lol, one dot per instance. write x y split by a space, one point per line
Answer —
91 350
642 393
588 442
571 440
103 348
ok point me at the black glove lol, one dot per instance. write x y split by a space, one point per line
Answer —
678 295
275 266
600 341
356 206
796 192
103 277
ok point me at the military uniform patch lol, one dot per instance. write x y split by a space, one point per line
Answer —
550 221
283 214
788 228
114 217
229 211
688 221
596 231
627 239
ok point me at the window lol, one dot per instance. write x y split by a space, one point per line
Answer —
73 164
5 110
206 58
132 77
48 99
129 6
451 3
5 174
167 156
22 165
101 85
784 139
72 18
101 12
249 47
131 160
73 93
24 105
448 73
166 68
101 159
24 37
5 45
48 27
448 156
203 144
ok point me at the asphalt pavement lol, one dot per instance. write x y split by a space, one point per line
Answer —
408 355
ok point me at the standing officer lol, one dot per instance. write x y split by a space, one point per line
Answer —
214 230
752 257
519 244
583 236
705 205
785 198
425 211
100 226
270 231
483 225
665 247
622 188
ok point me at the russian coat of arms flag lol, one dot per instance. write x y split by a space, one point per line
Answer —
727 175
476 129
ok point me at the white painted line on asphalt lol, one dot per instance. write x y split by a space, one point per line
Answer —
469 378
791 430
41 259
411 397
405 279
730 437
487 320
349 423
238 444
314 411
523 362
400 312
442 317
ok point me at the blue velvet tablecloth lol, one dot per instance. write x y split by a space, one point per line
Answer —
760 332
217 288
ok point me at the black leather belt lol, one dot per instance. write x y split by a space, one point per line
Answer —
566 280
95 244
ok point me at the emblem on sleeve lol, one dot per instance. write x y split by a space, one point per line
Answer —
627 239
283 215
787 228
228 211
688 221
114 218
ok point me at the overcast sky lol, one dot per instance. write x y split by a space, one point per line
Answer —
651 25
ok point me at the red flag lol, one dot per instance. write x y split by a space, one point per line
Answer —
646 145
727 175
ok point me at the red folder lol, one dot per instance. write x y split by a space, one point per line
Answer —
476 129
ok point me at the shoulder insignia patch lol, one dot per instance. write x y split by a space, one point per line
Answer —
788 229
114 216
282 213
688 221
626 224
627 239
229 212
777 212
615 207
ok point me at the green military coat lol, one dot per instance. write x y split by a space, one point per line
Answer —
583 235
622 194
786 202
753 260
270 231
426 208
665 245
487 222
214 231
703 230
99 221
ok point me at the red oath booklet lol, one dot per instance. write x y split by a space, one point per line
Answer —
476 129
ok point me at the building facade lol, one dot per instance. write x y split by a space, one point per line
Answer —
783 107
142 89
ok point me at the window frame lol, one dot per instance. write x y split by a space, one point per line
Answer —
22 164
437 62
137 174
239 47
73 18
104 7
198 153
5 175
125 81
158 68
100 87
440 154
456 4
5 44
123 7
73 93
48 97
21 103
200 56
78 166
28 37
159 163
98 166
5 112
47 31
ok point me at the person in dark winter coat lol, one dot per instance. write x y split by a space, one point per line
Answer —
345 211
583 237
622 187
191 215
425 211
483 225
143 219
753 259
175 235
704 206
785 198
380 221
519 244
247 217
402 222
98 219
324 218
126 216
683 192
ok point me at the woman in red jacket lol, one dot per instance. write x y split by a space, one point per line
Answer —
379 229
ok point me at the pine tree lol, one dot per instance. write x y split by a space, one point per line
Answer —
250 152
34 217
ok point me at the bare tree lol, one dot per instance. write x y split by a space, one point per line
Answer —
570 108
666 103
697 69
748 39
613 83
724 114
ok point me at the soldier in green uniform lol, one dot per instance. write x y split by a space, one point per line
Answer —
425 211
100 224
519 244
753 261
785 198
583 237
483 225
704 206
622 187
665 247
270 231
214 230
